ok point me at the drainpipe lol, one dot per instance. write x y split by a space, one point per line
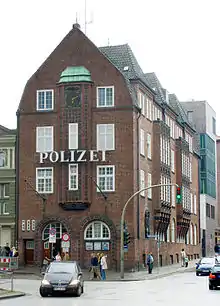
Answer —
138 184
17 142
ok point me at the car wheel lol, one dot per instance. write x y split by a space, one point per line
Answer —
79 291
211 287
82 289
43 293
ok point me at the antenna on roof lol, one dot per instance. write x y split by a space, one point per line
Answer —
76 18
108 42
91 20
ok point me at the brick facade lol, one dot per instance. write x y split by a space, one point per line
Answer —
77 50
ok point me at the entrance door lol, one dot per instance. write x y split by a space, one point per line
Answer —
29 252
47 246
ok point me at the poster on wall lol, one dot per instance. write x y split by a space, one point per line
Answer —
105 246
89 246
97 246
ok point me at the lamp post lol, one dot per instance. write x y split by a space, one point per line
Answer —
123 219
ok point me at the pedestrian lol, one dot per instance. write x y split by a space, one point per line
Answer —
150 262
183 256
104 266
7 250
58 257
94 265
186 261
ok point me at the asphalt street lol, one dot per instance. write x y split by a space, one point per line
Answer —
178 289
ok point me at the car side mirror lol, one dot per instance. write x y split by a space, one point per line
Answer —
80 274
42 273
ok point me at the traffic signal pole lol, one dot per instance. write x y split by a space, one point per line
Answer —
123 220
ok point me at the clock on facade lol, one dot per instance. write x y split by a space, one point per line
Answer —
73 96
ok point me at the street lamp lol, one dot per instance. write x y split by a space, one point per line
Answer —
123 219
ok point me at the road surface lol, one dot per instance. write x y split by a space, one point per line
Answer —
179 289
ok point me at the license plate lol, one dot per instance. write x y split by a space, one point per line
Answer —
59 289
205 270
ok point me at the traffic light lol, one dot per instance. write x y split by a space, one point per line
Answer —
178 194
126 238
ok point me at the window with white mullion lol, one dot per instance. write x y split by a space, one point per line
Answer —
73 136
73 176
45 100
142 182
44 180
105 96
44 139
106 178
142 142
105 137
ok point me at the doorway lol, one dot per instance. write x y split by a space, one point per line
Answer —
29 252
50 249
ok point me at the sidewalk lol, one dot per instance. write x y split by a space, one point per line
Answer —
115 276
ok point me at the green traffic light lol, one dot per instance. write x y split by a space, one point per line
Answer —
178 196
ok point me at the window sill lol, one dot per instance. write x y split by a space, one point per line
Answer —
149 198
143 196
143 155
149 158
105 191
105 106
44 110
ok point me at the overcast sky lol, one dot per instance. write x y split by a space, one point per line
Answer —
177 39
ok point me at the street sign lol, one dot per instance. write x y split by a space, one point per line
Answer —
125 248
52 231
65 237
65 244
52 238
152 236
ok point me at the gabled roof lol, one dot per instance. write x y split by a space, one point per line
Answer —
122 57
5 131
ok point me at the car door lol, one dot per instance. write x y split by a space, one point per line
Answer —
80 276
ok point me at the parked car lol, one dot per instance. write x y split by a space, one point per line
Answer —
62 277
214 277
204 266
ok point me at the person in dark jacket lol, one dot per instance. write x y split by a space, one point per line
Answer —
7 250
94 268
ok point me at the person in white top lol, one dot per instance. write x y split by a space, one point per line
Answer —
183 256
58 257
104 266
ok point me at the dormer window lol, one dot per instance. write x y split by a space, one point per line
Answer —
45 100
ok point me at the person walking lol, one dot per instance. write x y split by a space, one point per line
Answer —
150 262
58 257
104 266
183 256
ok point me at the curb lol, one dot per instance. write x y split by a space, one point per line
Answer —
12 296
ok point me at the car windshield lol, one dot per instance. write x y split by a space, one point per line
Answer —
64 268
208 261
216 269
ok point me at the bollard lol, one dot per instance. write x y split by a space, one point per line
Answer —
12 281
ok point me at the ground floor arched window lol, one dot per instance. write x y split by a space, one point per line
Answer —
97 236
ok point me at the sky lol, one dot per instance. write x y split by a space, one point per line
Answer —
176 39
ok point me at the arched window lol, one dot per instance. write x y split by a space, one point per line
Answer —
60 229
195 234
187 238
97 230
191 233
173 238
168 234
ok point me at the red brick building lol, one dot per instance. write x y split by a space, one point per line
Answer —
92 130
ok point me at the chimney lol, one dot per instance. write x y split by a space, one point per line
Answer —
76 26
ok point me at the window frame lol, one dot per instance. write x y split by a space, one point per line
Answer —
172 153
77 177
4 210
97 96
37 100
98 176
52 180
142 142
149 146
98 137
149 191
52 137
97 238
70 134
142 182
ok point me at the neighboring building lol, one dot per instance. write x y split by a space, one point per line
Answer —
88 98
204 118
7 186
217 233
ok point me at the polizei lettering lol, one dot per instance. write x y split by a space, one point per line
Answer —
72 156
